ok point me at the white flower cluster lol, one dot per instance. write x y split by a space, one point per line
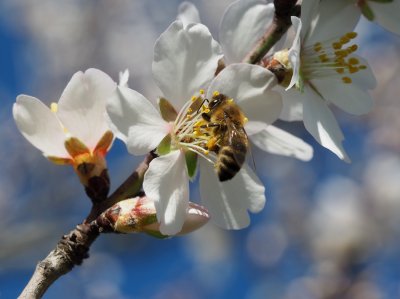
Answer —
214 105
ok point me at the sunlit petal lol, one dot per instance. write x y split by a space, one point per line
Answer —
276 141
230 201
185 61
81 108
167 183
322 125
188 13
135 120
40 126
243 24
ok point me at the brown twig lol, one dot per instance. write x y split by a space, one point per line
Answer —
284 9
73 248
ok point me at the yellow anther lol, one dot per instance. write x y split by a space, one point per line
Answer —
193 98
230 100
323 58
245 120
201 91
340 70
215 93
190 110
337 46
362 67
199 123
211 143
347 80
340 61
341 53
353 61
317 47
353 48
54 107
351 35
344 39
206 110
353 69
206 152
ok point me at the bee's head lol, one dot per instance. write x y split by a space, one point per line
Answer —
216 100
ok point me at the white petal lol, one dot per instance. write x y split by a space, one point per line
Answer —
243 24
277 141
321 123
387 14
364 78
39 126
294 52
135 120
82 105
250 86
292 108
123 78
350 97
228 202
188 13
167 183
309 8
334 18
185 61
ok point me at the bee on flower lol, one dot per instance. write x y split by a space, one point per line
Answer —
185 132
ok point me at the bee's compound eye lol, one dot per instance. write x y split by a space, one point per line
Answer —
213 103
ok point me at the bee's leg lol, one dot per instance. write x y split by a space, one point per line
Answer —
212 144
205 100
205 116
216 125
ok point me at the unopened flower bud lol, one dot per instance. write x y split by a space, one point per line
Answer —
136 215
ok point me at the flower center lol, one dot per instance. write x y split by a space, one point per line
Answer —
192 129
189 130
331 59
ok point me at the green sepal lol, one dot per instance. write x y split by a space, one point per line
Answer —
191 163
367 11
165 146
149 220
300 82
168 112
156 234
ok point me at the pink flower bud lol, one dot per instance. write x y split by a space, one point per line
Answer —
135 215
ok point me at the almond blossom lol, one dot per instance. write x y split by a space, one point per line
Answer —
75 130
325 70
185 61
243 24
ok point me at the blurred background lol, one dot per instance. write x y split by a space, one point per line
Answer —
329 229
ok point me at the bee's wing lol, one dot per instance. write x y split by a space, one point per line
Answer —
238 140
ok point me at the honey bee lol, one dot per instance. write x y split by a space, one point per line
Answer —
229 139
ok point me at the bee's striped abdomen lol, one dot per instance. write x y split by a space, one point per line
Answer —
230 160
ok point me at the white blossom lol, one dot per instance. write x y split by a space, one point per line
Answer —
74 130
185 62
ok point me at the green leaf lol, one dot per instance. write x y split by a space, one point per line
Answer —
191 163
367 11
167 111
156 234
165 146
